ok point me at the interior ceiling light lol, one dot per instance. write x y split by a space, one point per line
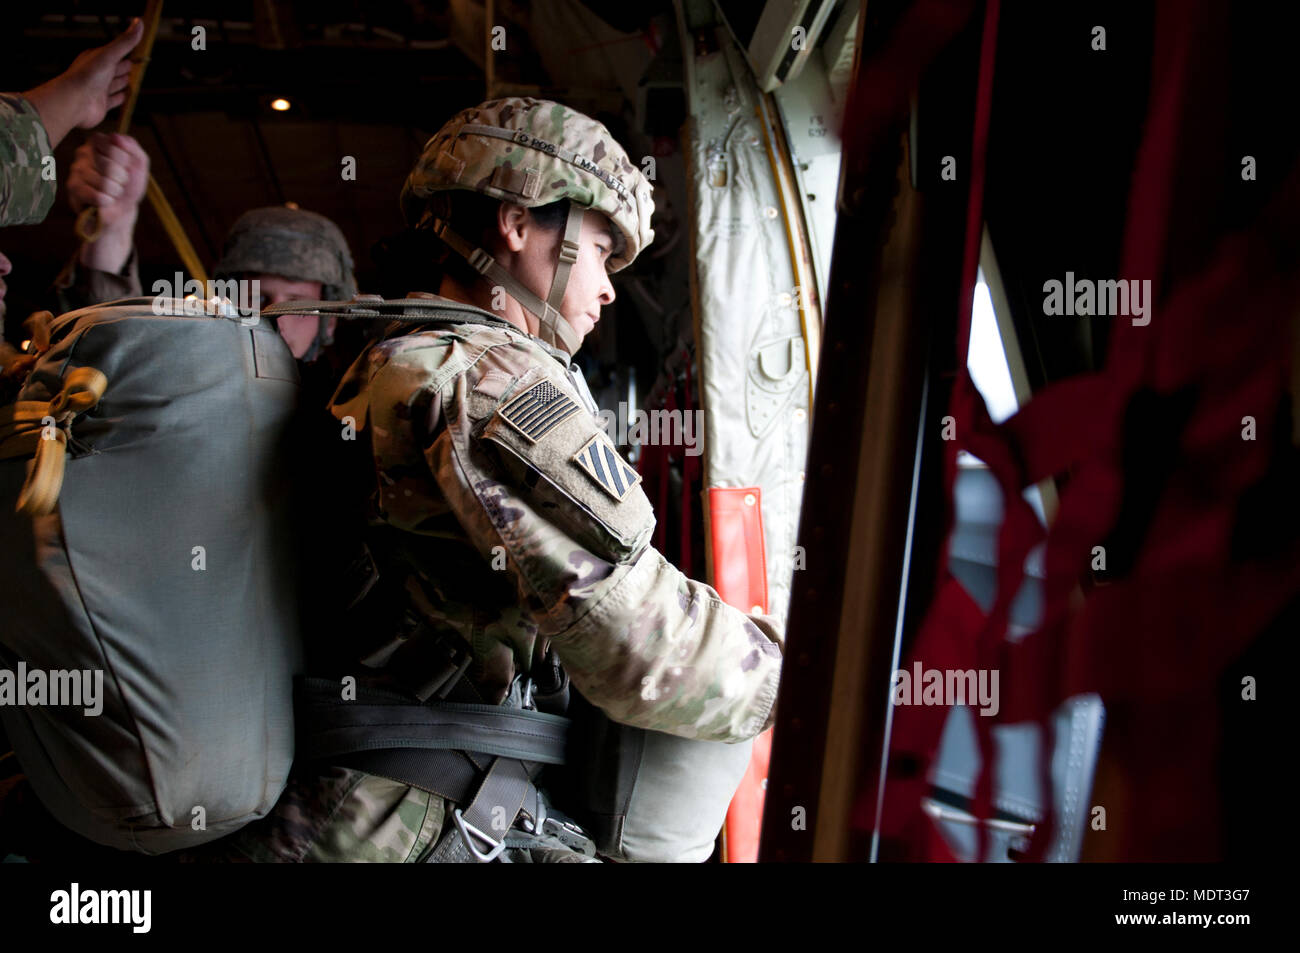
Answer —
280 105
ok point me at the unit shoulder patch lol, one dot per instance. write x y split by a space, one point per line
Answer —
601 461
567 469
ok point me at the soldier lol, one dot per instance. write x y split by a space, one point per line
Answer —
26 189
109 171
34 123
294 255
511 537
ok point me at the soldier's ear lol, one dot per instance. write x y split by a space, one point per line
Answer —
513 225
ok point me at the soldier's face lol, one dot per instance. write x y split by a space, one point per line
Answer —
298 330
589 289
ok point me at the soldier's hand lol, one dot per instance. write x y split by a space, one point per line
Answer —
99 76
96 81
109 172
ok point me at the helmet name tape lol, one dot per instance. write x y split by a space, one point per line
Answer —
524 138
533 142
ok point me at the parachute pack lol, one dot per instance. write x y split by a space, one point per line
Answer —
147 472
147 563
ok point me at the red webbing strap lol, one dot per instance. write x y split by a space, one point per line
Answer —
956 634
969 410
665 453
946 641
653 466
1153 643
691 474
1091 505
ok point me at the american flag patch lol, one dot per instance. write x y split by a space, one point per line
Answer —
603 464
539 410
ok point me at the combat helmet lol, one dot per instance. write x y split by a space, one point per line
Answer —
533 152
288 241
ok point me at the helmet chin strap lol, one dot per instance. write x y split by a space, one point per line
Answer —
552 327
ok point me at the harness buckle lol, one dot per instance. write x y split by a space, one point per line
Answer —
568 251
569 834
468 831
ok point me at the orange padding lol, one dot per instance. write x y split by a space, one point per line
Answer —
745 815
739 561
740 576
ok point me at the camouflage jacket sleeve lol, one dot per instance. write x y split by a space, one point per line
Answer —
25 194
89 286
536 486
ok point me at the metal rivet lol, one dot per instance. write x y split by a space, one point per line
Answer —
756 610
750 499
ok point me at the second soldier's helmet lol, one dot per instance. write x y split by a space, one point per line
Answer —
297 244
533 152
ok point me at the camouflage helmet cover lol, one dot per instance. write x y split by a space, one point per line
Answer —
533 152
291 242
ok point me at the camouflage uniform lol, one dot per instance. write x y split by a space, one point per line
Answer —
651 647
463 468
25 194
80 287
521 530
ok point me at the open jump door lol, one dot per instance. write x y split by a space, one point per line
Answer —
757 308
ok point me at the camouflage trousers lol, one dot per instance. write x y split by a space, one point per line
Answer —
338 815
